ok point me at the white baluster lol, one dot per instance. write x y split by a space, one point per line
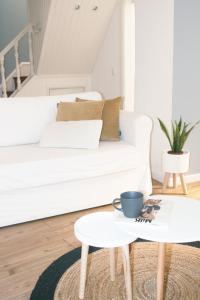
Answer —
3 78
30 52
17 66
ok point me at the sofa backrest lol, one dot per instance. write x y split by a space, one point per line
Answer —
23 119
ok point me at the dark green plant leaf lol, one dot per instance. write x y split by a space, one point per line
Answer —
180 133
164 129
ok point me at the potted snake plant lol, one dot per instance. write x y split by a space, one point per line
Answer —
175 159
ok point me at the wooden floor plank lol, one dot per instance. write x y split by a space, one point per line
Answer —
27 249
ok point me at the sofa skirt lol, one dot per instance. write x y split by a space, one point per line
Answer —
22 205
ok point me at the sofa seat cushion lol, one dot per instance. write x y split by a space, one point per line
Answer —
31 166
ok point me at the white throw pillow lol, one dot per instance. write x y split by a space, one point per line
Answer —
72 134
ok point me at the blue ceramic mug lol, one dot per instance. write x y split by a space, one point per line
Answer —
131 204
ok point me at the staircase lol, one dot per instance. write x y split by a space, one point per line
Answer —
12 83
63 40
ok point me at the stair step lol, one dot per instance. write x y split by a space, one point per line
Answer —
9 93
22 78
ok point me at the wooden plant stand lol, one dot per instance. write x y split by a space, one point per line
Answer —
182 179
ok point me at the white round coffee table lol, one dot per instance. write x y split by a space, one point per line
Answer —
184 226
99 230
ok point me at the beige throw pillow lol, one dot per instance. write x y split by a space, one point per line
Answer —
74 111
110 117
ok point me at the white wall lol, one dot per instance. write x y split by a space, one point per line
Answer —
39 85
13 19
154 62
106 75
38 12
186 79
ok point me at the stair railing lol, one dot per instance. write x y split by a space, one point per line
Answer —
15 44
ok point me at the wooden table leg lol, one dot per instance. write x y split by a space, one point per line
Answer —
83 273
166 181
127 271
184 186
160 271
112 264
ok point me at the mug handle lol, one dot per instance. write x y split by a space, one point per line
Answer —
114 204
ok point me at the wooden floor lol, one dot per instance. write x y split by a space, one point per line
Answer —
27 249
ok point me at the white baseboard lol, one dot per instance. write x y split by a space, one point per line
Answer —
192 177
157 176
188 177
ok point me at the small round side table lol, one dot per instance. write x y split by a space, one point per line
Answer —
99 230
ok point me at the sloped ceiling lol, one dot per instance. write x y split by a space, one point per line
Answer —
73 37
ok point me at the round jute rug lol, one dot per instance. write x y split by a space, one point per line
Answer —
182 275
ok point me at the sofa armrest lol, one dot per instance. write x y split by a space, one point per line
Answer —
136 130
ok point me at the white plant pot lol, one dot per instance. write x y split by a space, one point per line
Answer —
176 163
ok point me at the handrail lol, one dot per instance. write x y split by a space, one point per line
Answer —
15 40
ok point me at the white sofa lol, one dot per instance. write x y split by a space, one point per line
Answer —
39 182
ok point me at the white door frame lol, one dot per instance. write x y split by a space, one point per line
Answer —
128 53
